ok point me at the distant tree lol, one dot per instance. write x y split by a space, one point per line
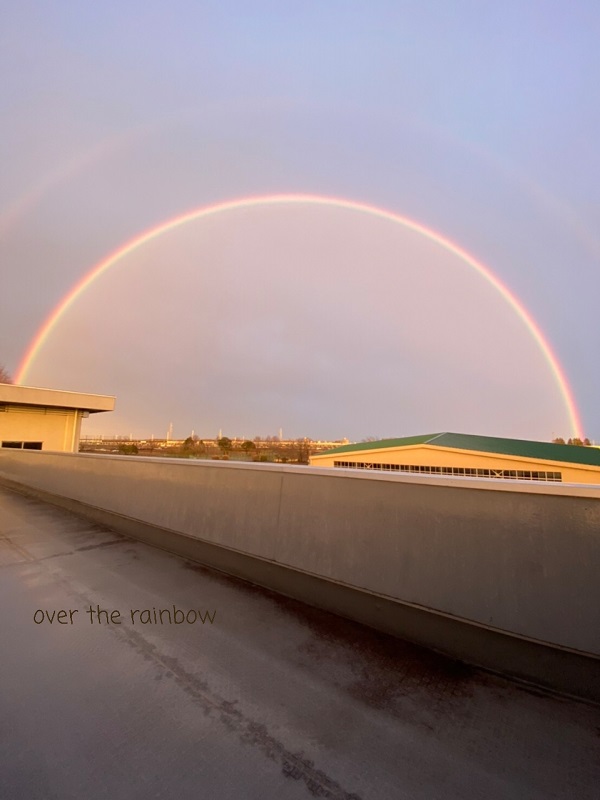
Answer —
225 444
248 446
193 446
558 440
297 451
4 376
586 442
577 442
303 451
128 449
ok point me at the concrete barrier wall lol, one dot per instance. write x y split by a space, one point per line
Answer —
518 558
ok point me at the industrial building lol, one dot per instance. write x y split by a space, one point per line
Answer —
469 456
45 419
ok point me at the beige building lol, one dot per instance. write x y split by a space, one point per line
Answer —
469 456
45 419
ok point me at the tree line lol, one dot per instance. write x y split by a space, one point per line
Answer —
576 441
296 451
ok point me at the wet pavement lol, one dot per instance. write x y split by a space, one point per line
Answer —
250 696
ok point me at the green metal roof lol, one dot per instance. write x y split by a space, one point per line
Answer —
379 445
545 451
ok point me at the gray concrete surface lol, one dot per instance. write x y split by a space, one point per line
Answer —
521 558
272 700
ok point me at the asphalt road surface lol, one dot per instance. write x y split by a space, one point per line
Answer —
270 699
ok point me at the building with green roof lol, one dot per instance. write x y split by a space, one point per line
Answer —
468 455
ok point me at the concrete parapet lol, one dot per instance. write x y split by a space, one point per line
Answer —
505 576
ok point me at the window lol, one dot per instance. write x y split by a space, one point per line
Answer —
23 445
506 474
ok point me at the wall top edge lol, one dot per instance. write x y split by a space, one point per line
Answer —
590 491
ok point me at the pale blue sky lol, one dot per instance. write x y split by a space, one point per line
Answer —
479 120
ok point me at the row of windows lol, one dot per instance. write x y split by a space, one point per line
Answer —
23 445
509 474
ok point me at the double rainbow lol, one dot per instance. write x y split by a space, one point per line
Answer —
314 200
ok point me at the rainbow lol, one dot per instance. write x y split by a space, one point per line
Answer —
315 200
26 202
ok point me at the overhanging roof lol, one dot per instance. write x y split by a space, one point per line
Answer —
54 398
544 451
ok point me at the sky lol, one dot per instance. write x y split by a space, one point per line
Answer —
477 122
